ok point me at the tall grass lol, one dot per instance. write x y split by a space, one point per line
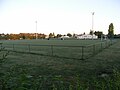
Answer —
18 78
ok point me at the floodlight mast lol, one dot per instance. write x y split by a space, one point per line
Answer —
36 31
93 23
93 20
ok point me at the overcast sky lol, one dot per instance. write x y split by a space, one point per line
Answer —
58 16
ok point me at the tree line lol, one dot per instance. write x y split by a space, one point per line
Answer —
100 34
21 36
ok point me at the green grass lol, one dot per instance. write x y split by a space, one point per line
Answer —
44 72
51 42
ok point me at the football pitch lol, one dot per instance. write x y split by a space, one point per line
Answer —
76 49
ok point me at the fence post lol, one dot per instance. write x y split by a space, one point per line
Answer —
106 44
101 47
1 45
93 49
109 44
29 47
82 53
13 47
52 49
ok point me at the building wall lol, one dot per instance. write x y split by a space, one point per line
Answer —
87 37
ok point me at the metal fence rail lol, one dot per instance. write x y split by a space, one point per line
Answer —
65 51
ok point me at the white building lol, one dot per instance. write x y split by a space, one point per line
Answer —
87 36
64 37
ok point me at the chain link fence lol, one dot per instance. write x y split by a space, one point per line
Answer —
63 51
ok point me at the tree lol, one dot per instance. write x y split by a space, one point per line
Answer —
53 34
70 35
23 36
50 35
59 35
111 30
98 33
91 32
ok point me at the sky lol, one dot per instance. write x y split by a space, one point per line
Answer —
58 16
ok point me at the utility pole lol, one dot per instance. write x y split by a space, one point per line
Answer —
36 31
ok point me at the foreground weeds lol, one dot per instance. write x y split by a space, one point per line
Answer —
18 78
